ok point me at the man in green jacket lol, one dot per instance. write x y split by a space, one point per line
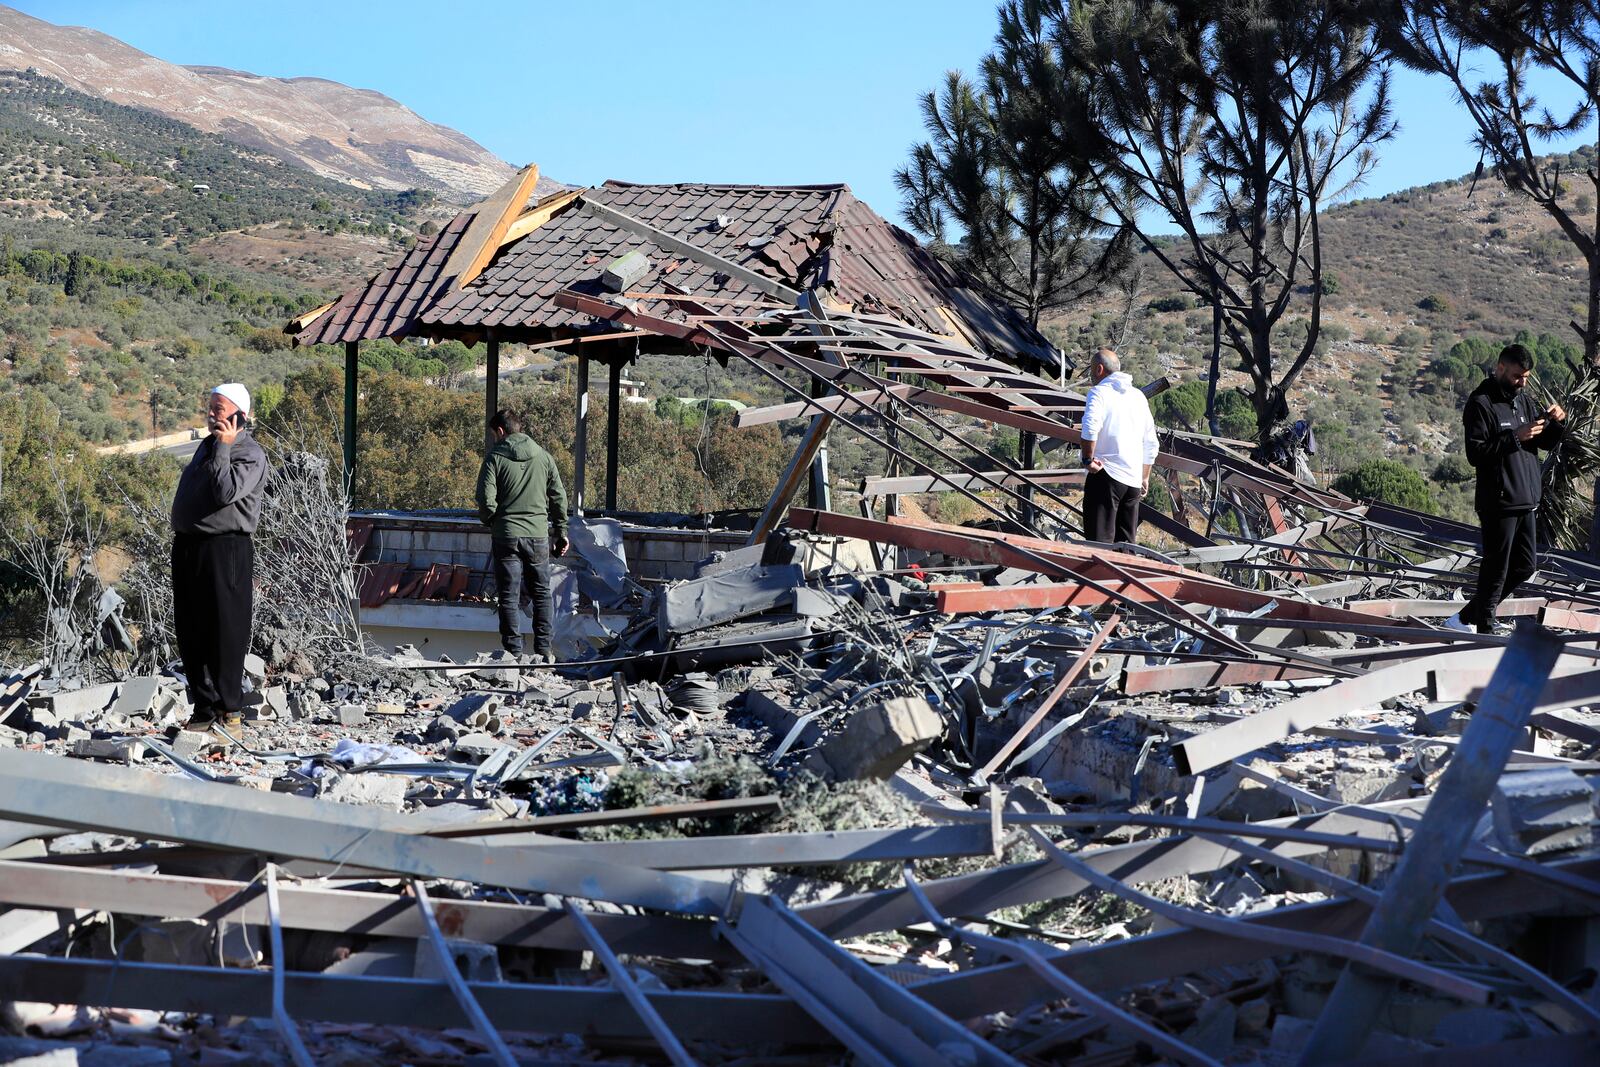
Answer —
521 500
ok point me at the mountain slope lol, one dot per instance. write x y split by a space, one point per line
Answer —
81 163
351 135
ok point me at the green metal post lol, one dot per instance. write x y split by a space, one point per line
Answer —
351 369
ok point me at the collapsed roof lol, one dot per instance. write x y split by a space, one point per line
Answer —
739 243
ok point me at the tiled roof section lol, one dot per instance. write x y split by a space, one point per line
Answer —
812 236
803 236
877 267
388 305
770 230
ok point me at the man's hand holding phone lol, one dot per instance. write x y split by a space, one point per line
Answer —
227 429
1531 430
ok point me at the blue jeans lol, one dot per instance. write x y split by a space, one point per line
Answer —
512 557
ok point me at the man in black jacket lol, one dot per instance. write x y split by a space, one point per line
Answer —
1505 429
214 514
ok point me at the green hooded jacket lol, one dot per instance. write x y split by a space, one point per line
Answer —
520 492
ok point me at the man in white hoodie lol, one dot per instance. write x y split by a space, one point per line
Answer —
1119 446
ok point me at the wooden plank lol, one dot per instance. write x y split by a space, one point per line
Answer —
300 322
490 221
531 220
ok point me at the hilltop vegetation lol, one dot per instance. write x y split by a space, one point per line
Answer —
119 171
1426 285
124 295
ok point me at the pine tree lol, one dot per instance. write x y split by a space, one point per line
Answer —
1237 121
76 276
1029 223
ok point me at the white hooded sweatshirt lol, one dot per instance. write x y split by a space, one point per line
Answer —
1116 417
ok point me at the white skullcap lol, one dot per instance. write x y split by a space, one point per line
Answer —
237 393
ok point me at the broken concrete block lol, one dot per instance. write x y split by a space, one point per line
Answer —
475 747
878 739
1543 811
1368 782
276 700
80 703
255 666
475 709
191 743
352 715
137 697
475 961
499 666
379 790
116 749
443 728
304 703
388 708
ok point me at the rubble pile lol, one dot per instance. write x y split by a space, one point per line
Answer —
875 790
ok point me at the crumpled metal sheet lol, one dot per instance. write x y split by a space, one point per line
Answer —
603 577
701 602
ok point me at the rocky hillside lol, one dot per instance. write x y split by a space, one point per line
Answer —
350 135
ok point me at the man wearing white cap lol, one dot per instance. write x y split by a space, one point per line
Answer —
214 514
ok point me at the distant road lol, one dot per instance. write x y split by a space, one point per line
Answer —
181 444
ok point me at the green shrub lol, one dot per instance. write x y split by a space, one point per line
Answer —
1236 417
1181 406
1454 470
1387 481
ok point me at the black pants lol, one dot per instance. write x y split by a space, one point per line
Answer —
213 586
512 557
1510 557
1110 509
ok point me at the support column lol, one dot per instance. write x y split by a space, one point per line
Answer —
1028 446
351 370
891 433
491 387
818 489
613 431
580 439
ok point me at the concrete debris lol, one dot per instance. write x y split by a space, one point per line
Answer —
850 787
878 740
1544 811
378 790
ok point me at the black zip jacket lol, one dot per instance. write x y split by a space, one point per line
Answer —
1508 469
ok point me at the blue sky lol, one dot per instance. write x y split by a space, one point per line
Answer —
710 90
